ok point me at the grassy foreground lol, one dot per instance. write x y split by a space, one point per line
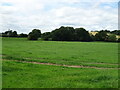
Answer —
26 75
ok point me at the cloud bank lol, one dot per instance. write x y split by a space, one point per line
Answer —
46 15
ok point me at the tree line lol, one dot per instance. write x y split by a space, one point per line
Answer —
11 33
67 34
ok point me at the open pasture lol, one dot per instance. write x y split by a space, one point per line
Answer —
102 56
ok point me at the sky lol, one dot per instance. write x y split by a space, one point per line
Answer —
47 15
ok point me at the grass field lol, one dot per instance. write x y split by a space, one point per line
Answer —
87 54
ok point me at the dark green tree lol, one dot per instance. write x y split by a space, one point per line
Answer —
118 40
92 37
117 32
14 34
81 35
101 36
23 35
10 33
34 35
46 36
4 35
111 38
37 32
63 34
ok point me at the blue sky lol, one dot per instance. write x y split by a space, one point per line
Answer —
25 15
6 4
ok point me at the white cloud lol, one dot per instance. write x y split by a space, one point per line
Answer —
24 15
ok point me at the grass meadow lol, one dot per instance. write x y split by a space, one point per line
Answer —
103 56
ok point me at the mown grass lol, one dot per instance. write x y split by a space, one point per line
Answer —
26 75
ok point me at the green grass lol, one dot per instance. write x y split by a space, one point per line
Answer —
61 51
26 75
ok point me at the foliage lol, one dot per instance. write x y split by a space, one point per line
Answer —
82 35
111 38
117 32
9 33
118 40
66 34
23 35
14 34
92 37
63 34
101 36
34 35
70 34
46 36
107 31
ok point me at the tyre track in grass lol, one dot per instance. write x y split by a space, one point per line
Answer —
81 61
28 58
72 66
